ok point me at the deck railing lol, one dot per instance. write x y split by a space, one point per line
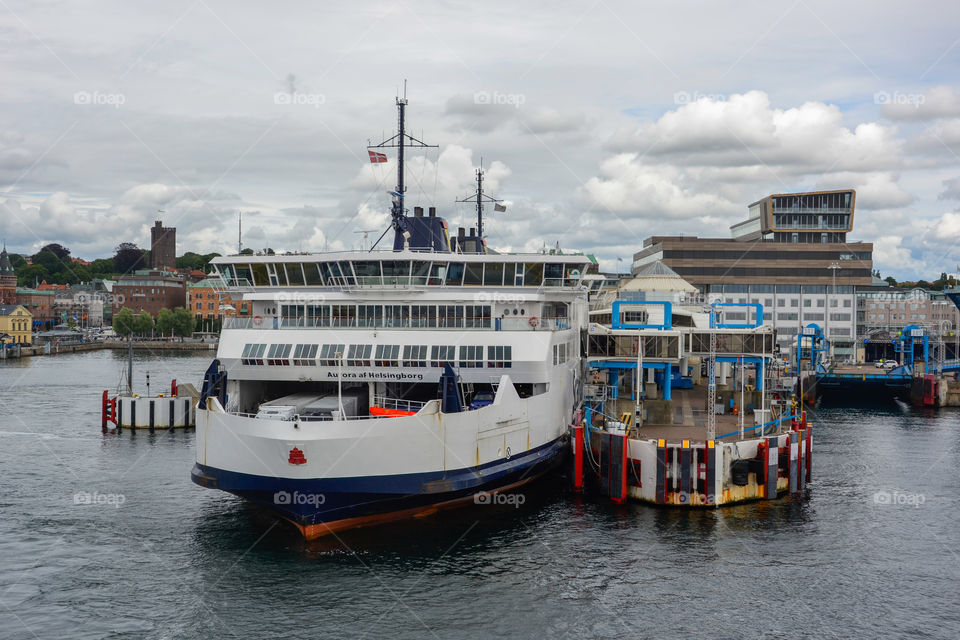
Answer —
512 323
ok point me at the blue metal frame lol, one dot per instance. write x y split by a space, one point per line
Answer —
905 345
616 367
667 315
758 320
817 344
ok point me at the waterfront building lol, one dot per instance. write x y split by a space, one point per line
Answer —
210 302
149 290
45 286
163 247
791 255
884 311
16 324
8 279
81 306
39 304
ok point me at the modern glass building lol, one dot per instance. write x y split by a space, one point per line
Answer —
791 254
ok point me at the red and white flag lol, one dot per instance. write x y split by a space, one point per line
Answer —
377 158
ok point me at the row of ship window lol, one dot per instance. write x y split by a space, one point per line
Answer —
386 315
385 355
402 273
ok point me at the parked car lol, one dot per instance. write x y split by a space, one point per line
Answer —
878 363
890 364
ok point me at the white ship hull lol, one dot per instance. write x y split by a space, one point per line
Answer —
330 475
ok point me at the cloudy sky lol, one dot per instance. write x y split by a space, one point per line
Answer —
600 122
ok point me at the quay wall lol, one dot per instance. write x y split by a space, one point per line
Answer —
151 345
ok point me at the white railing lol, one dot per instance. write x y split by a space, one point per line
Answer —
518 323
398 404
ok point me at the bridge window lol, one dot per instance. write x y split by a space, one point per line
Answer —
259 273
553 275
533 274
419 272
311 272
438 271
455 274
295 275
493 274
473 274
368 272
396 272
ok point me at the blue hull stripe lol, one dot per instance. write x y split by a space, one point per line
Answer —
316 500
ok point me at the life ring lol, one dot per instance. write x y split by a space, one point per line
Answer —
533 321
257 321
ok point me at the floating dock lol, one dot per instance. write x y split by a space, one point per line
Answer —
708 422
176 410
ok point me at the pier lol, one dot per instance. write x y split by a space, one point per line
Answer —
688 416
52 349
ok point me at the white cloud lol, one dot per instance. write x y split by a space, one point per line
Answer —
746 131
938 102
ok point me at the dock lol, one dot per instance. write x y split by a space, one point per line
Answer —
710 421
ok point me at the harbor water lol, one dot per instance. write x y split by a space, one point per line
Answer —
104 536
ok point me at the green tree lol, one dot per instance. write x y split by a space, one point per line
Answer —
143 323
128 258
183 322
49 261
31 275
17 261
124 321
191 260
101 268
890 281
60 251
165 322
247 252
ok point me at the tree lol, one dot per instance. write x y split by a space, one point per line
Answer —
890 281
183 322
191 260
49 261
124 321
165 322
247 252
60 251
31 275
128 258
101 267
17 261
143 323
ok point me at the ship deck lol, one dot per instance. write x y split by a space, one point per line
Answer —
690 419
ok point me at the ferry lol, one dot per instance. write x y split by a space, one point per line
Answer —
372 386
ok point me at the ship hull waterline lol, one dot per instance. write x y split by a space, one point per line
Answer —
323 506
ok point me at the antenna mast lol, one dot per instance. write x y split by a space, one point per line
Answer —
401 141
479 197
